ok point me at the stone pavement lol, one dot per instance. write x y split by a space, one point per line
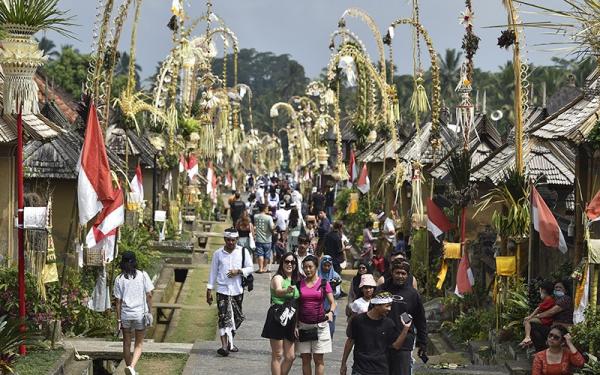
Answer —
255 353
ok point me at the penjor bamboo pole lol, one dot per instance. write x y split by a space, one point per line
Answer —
512 15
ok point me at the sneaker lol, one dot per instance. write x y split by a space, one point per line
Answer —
129 371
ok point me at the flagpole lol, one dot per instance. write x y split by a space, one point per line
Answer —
531 233
20 229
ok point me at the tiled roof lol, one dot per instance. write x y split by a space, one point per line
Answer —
137 146
51 93
575 120
553 160
58 157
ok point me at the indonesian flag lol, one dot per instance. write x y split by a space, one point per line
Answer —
593 208
192 166
464 278
183 165
211 184
137 187
103 233
545 223
352 169
94 184
363 184
437 221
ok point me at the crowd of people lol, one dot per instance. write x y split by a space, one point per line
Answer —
308 251
280 231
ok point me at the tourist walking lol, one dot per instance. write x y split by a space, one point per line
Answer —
265 227
367 288
561 355
317 202
354 292
406 300
371 335
334 246
236 208
322 230
133 292
295 226
280 324
313 335
368 243
226 274
330 202
302 251
327 273
273 200
245 231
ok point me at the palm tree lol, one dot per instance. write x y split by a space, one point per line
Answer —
449 71
122 67
48 47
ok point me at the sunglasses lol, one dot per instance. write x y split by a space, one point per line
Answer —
289 262
362 268
553 336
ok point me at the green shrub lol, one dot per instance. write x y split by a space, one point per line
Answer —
472 325
586 335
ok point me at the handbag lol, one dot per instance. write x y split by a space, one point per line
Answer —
285 313
247 281
308 334
148 318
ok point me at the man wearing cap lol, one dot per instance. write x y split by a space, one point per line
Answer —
226 277
371 335
406 300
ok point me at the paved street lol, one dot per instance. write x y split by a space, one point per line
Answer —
254 355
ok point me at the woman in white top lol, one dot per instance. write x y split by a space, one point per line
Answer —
133 291
367 288
295 225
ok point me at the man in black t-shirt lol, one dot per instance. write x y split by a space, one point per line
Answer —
372 334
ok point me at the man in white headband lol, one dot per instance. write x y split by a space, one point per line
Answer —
228 266
371 334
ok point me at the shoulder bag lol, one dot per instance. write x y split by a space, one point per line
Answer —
247 281
148 318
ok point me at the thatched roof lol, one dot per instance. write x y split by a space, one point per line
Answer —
137 145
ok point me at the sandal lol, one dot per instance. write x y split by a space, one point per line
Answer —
222 352
233 348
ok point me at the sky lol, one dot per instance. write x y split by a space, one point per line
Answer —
302 28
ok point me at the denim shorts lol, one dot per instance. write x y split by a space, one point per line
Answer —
130 325
263 250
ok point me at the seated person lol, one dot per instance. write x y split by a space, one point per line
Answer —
561 313
547 302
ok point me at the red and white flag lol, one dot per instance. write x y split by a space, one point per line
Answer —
183 165
137 186
103 233
437 221
363 184
228 179
211 184
192 166
464 278
593 208
94 184
352 169
545 223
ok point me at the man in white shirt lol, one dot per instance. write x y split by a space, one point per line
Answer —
260 193
282 216
297 197
226 277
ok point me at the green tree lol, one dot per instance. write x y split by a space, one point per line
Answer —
48 47
69 70
122 68
449 71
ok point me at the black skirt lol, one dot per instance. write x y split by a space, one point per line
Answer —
273 330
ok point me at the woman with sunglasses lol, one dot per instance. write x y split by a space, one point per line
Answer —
314 339
280 330
560 357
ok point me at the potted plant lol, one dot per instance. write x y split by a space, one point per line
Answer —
20 56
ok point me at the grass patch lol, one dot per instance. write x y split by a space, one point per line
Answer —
163 364
200 324
37 362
